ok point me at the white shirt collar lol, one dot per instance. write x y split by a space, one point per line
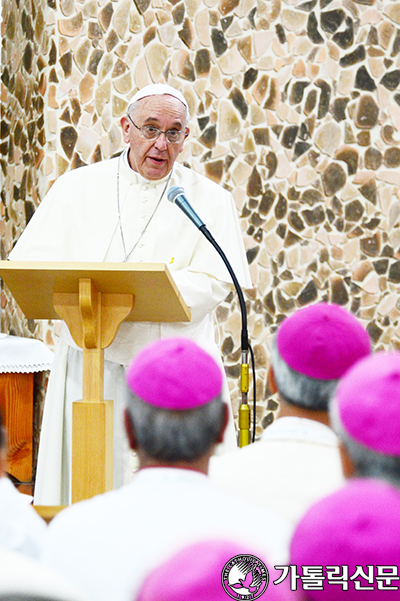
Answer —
300 428
169 474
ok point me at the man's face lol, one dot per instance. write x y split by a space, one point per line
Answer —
154 159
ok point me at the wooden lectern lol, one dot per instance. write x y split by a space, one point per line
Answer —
94 299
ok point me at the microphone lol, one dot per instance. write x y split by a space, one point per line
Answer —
176 195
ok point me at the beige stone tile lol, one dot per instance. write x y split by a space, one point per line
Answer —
273 244
121 18
231 62
293 20
141 76
387 304
156 57
241 173
167 34
262 41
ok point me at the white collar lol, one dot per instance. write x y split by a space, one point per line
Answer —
300 428
169 474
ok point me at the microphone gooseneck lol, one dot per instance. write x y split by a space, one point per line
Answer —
176 195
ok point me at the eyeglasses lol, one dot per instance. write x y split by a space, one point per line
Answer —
150 132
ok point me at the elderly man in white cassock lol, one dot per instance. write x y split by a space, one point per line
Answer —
118 210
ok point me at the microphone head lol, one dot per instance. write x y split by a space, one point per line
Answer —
174 192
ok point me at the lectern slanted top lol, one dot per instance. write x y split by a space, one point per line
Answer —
157 298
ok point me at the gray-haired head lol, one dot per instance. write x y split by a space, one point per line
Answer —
174 400
298 389
365 414
365 462
172 436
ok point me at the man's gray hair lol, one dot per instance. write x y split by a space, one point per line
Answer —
133 106
366 462
173 436
300 390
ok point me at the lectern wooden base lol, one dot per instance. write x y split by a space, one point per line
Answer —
93 319
92 448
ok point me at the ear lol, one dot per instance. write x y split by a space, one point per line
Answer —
130 432
187 132
225 419
271 380
125 126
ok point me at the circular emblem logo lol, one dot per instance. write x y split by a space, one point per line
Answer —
245 577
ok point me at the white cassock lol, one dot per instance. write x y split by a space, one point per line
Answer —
21 528
22 577
108 544
78 220
295 463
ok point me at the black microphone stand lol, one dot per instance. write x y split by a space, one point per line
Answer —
244 409
176 195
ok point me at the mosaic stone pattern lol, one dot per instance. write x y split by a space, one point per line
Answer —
26 42
295 108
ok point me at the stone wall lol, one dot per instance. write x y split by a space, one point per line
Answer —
294 107
26 44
